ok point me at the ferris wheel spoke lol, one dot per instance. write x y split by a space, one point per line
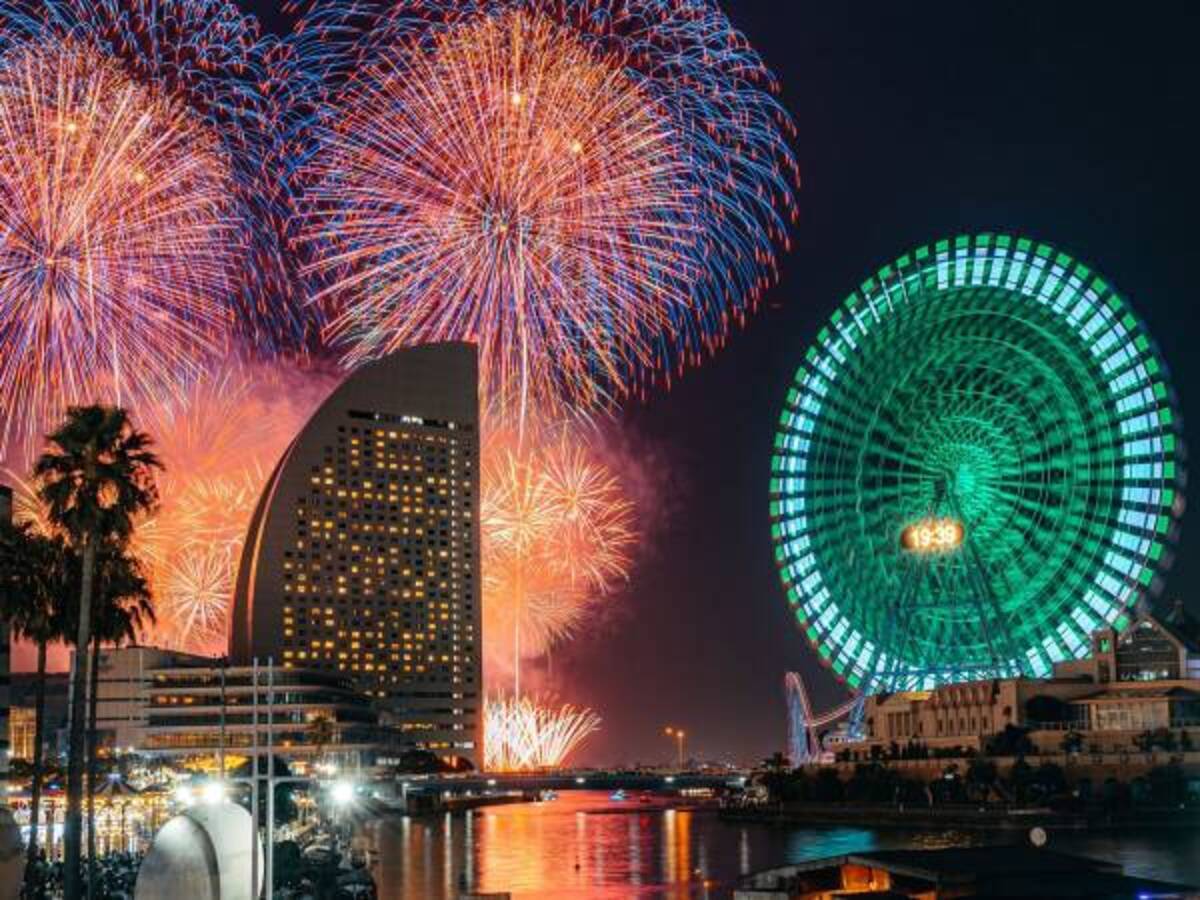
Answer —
1001 399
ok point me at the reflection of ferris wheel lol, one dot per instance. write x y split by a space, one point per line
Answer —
978 465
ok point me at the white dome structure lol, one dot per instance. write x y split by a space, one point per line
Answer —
204 853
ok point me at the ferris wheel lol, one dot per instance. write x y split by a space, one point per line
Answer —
978 464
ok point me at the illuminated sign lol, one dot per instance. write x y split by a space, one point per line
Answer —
932 536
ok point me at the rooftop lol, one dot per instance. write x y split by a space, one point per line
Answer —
1016 871
1152 691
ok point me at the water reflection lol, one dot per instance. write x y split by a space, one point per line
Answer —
584 845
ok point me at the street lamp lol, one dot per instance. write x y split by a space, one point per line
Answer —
342 793
679 735
213 793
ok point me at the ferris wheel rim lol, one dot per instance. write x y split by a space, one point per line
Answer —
994 269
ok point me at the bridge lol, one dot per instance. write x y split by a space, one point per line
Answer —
482 782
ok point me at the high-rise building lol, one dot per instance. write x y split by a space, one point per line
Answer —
5 648
363 555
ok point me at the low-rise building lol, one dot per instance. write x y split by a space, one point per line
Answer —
953 873
166 703
1139 707
1143 678
56 689
954 713
297 712
125 676
21 732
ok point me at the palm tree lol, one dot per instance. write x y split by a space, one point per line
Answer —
121 609
96 478
321 733
34 585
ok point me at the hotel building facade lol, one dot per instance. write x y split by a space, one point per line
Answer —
363 556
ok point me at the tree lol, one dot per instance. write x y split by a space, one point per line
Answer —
34 585
285 801
420 762
97 477
776 762
1167 785
827 787
950 788
1020 780
1072 742
876 783
981 777
321 732
1012 741
122 608
1050 780
289 865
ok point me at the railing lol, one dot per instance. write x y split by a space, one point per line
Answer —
1084 728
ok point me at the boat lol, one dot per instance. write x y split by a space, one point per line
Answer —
617 796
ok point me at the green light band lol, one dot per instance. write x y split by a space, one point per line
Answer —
1002 383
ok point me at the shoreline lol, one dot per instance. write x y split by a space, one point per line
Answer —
967 818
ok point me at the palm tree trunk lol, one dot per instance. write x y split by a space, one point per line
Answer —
93 703
39 736
73 821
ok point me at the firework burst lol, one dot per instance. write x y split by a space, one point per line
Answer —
591 190
558 533
212 59
193 593
522 735
218 443
28 508
114 241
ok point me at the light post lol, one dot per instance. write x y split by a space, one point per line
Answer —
678 734
342 793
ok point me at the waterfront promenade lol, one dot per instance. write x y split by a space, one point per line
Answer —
965 816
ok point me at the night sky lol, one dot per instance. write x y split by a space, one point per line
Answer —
1072 123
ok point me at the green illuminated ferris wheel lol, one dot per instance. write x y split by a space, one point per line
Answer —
978 465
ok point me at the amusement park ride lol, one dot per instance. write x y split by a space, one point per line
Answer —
978 465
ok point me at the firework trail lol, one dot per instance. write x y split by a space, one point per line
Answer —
213 60
558 533
27 507
114 238
521 734
593 190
